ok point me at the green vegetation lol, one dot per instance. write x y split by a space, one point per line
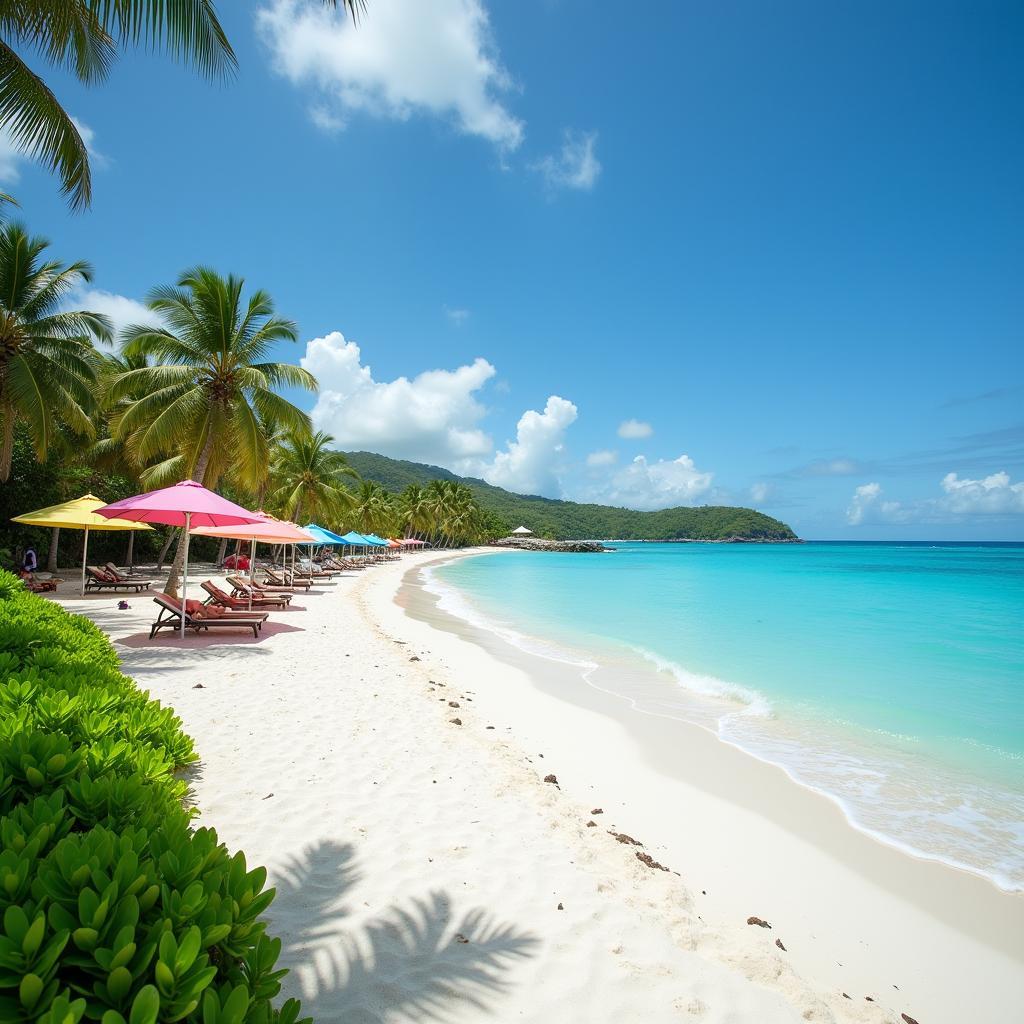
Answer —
83 37
47 368
113 907
567 520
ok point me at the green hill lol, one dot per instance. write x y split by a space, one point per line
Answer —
568 520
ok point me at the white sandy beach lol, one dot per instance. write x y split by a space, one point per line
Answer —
426 871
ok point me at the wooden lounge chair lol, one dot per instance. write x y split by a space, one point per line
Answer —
284 579
127 577
242 584
172 609
313 572
101 579
241 604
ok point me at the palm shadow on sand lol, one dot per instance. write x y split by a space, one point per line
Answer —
413 961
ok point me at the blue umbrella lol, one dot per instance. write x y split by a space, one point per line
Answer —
355 538
322 536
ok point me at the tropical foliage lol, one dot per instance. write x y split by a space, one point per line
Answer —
569 520
112 905
309 479
198 409
83 37
47 366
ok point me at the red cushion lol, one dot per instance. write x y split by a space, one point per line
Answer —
193 606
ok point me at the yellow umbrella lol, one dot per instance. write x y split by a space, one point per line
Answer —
78 514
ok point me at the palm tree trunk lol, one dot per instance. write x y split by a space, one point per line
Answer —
168 540
222 551
129 555
7 448
179 556
51 555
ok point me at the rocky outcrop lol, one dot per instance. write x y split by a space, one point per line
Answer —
537 544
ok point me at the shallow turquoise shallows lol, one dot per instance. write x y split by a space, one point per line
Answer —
888 676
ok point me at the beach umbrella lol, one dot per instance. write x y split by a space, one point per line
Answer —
322 536
184 504
77 514
412 542
267 530
522 531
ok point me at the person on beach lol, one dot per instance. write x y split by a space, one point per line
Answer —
30 562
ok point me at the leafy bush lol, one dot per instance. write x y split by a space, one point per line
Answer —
113 908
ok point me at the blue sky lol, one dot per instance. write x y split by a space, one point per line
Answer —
769 255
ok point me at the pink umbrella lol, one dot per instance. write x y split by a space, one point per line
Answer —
409 541
186 504
266 530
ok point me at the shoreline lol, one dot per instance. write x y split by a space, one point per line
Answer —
798 830
426 870
627 672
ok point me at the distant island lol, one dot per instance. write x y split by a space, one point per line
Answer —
570 520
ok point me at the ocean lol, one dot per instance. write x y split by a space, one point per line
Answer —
888 676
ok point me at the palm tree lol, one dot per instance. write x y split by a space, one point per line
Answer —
47 361
309 478
202 403
414 510
373 510
83 37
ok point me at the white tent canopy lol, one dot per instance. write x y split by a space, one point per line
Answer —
521 531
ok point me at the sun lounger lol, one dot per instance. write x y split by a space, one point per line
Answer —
239 585
219 597
201 617
113 570
101 579
284 579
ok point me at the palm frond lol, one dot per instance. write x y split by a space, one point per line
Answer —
41 128
189 29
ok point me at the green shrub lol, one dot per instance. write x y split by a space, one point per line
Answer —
113 908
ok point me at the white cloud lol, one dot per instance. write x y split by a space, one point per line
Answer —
635 429
12 156
760 491
406 57
993 495
531 464
602 458
863 498
123 311
961 498
11 159
326 119
433 417
96 158
575 165
652 485
457 316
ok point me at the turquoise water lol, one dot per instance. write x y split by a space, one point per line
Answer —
888 676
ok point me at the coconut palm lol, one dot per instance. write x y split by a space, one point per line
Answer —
414 510
47 361
308 478
83 37
202 402
373 510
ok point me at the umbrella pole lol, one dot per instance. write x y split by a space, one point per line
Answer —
252 571
85 557
184 573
